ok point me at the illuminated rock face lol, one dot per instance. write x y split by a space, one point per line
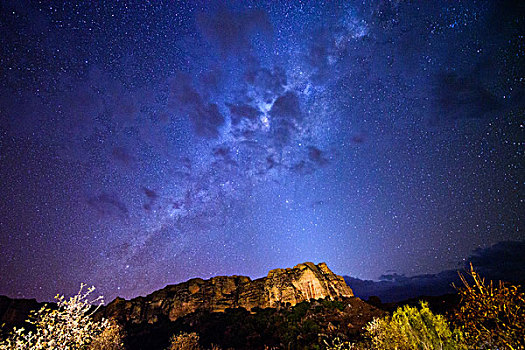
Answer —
304 282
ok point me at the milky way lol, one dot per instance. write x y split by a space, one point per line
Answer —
146 143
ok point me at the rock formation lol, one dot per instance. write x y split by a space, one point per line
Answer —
282 286
14 312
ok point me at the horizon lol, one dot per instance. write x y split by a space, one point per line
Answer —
143 144
402 287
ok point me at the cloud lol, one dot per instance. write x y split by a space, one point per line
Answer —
316 156
211 79
222 157
398 287
238 112
457 97
205 117
221 151
287 107
502 261
151 194
122 156
302 168
359 138
231 31
108 204
285 113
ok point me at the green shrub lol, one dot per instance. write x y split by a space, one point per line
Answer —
69 326
412 328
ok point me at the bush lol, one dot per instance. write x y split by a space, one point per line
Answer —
491 316
109 339
69 326
188 341
184 341
413 328
338 344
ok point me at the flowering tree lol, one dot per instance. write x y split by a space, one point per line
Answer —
68 327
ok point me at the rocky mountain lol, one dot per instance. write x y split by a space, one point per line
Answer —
14 312
282 287
293 308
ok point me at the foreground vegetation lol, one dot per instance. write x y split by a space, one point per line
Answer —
489 316
69 326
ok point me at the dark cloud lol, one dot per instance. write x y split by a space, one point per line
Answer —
358 138
271 162
108 204
122 156
207 120
287 107
205 117
315 159
211 79
151 194
281 132
302 168
397 287
238 112
231 31
285 113
317 156
457 97
502 261
221 151
223 159
319 50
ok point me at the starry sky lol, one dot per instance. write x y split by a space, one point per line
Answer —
144 143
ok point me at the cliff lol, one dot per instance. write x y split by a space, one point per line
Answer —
292 285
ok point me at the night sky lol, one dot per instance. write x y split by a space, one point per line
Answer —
144 143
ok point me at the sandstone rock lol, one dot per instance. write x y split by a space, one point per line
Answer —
282 286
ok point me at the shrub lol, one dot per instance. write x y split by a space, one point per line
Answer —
110 339
69 327
338 344
413 328
491 316
184 341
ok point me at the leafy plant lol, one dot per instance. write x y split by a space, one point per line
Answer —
413 328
